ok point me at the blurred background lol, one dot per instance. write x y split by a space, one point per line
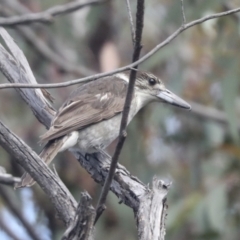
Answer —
198 150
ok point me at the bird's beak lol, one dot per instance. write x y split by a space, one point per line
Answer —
169 97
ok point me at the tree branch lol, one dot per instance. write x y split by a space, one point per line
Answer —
82 226
47 15
8 179
60 196
131 21
183 13
151 213
59 59
126 109
127 67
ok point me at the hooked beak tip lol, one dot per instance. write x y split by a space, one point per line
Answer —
171 98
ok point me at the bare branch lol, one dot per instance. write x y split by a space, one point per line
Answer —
47 16
131 21
151 213
126 109
183 13
127 67
60 196
47 53
42 48
8 179
82 226
16 211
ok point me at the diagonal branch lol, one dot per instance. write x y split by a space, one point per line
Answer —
60 196
8 179
129 66
126 109
60 60
47 16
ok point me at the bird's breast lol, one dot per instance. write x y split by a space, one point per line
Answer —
100 135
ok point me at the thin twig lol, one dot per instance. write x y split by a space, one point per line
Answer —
127 67
48 53
183 13
126 109
130 18
8 179
47 16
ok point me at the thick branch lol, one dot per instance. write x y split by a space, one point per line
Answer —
151 213
127 67
47 16
61 198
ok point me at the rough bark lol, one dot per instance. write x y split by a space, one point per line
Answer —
151 213
82 226
61 198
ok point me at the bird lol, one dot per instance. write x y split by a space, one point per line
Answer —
90 117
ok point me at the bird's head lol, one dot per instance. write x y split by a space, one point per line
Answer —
150 88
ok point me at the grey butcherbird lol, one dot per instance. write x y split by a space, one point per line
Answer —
90 117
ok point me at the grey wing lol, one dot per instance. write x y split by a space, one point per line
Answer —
85 108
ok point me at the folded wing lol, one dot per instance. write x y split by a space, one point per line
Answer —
87 105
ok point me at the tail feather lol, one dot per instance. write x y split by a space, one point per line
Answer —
47 155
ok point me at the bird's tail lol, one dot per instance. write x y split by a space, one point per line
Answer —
48 153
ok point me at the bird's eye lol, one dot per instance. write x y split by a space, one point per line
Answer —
152 81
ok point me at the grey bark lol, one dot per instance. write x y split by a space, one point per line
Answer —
152 210
61 198
82 226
